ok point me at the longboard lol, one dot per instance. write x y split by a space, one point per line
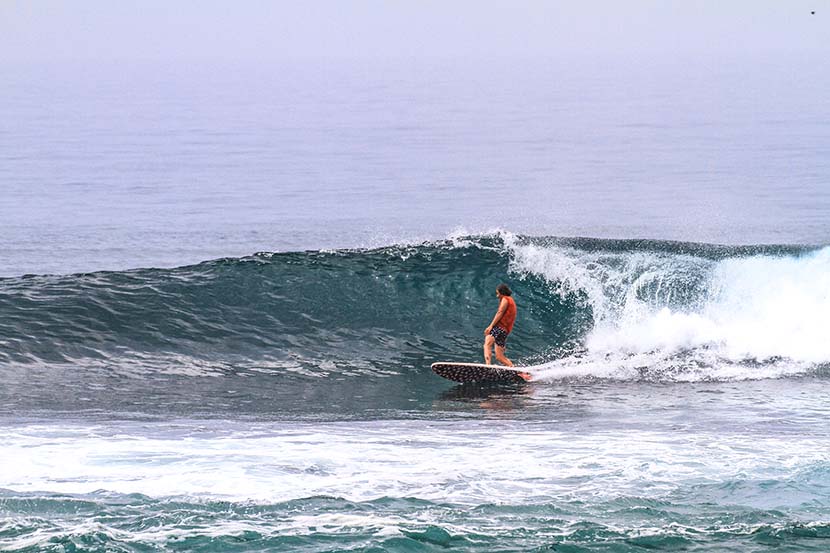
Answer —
477 372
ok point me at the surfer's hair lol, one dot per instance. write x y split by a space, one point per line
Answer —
504 290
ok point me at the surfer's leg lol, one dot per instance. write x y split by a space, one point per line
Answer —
488 349
501 357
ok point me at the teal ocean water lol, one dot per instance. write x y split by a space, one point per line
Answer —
284 402
220 293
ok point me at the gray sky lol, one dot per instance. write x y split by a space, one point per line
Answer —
36 30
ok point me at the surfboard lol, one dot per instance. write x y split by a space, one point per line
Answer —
478 372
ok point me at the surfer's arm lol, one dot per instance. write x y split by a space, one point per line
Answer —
499 314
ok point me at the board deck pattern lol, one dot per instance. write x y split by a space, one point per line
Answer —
476 372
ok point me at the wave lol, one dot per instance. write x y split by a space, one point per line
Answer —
107 521
588 308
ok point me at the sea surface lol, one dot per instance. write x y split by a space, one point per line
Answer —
221 287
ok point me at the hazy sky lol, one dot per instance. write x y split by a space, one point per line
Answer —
33 30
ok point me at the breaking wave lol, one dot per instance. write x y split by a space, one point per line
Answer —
588 308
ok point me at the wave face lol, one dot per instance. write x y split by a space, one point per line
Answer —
588 308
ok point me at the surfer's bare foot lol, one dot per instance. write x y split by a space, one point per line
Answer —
525 376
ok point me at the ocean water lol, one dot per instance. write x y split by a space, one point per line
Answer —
221 288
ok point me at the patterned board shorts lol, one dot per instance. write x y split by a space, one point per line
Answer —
500 335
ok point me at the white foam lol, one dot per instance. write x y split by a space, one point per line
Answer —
454 462
672 311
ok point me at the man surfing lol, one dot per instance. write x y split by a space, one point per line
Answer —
496 334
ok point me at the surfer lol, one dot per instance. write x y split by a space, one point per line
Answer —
495 334
501 326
